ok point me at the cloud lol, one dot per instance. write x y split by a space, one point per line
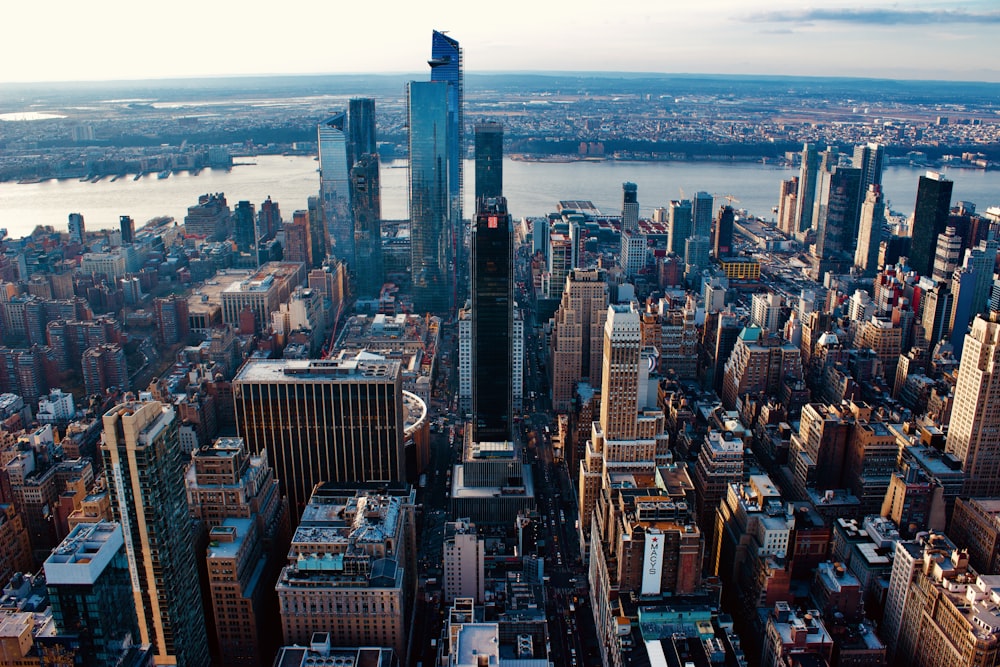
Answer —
877 17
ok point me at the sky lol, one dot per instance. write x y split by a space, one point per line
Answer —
68 40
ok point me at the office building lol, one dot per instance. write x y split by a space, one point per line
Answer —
145 471
492 322
974 429
77 233
366 208
350 570
208 218
870 230
334 185
489 160
678 225
869 159
90 591
446 67
298 247
319 235
787 197
806 197
758 364
323 420
838 208
930 218
464 562
260 292
701 214
127 226
361 129
562 253
236 497
576 340
245 228
432 239
633 242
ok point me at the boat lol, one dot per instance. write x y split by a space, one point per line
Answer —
164 174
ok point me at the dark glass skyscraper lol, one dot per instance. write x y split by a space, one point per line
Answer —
431 233
724 232
839 210
245 228
489 160
930 218
361 128
127 225
492 321
366 208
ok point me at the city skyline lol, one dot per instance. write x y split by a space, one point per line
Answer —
926 39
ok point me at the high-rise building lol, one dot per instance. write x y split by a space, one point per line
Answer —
974 430
489 160
869 158
446 67
492 322
678 225
319 235
724 232
837 212
235 495
333 185
787 197
577 332
366 208
701 214
633 241
297 245
127 226
464 561
323 420
104 367
245 228
431 233
870 227
90 590
930 218
350 570
77 233
807 188
145 470
208 218
269 219
361 128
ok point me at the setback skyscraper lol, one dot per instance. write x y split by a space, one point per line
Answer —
361 128
446 66
633 242
489 160
492 321
145 472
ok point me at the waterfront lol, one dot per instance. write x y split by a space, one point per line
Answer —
532 188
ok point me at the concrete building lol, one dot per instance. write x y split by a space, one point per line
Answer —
464 562
261 292
576 340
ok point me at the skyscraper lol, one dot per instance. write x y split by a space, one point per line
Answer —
319 235
576 334
807 188
91 594
361 127
930 218
333 179
678 225
724 232
837 213
787 196
870 230
974 430
701 214
446 66
145 471
869 158
489 160
245 228
323 420
76 229
492 321
127 226
297 243
366 209
431 233
633 242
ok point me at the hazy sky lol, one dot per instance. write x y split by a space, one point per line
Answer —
68 40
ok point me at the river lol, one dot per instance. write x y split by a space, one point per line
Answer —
532 188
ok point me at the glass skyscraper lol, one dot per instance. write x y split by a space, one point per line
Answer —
489 160
492 321
431 233
366 208
930 218
334 178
